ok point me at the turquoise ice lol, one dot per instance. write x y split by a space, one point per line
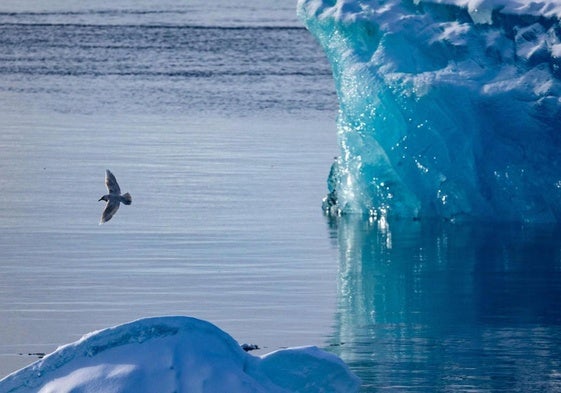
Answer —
448 109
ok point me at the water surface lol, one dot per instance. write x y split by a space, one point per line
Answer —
428 306
217 124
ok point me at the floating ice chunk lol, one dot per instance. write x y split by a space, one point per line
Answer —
177 354
448 108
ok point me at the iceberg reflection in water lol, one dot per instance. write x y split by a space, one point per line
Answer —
425 306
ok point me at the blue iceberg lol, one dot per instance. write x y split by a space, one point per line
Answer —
448 108
177 354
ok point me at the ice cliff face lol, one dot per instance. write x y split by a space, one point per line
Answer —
448 108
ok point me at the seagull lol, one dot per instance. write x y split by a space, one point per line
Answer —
114 198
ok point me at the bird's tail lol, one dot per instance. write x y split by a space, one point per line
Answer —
127 199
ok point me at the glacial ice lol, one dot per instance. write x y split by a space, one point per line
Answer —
448 108
177 354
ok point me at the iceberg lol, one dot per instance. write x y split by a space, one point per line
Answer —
447 108
177 354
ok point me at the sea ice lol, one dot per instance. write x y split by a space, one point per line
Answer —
448 108
177 354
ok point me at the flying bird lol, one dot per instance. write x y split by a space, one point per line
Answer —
114 198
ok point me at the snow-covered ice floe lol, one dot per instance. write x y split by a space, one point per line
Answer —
448 108
177 354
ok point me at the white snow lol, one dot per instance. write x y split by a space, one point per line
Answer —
482 9
177 354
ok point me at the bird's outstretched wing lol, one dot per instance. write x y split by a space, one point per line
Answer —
111 183
110 209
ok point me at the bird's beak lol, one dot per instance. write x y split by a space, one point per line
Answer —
100 199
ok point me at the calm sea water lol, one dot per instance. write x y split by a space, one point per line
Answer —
220 121
433 307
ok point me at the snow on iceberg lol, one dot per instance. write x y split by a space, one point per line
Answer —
448 108
177 354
